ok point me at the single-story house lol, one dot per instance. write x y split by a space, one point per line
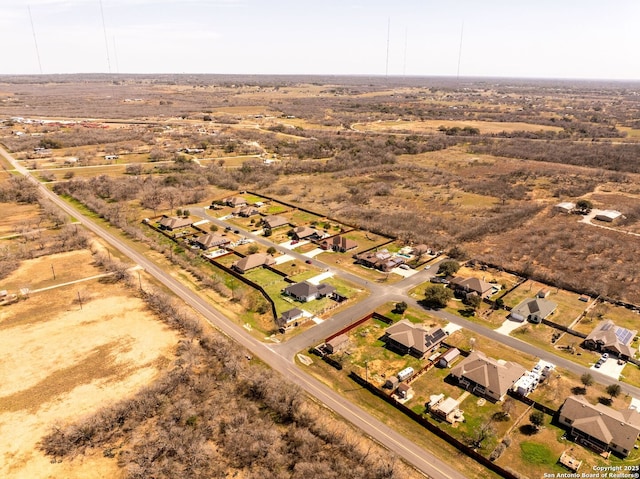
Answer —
420 249
600 427
235 201
608 215
381 260
337 344
447 358
306 291
533 309
253 261
289 317
211 241
607 337
405 337
486 376
273 221
338 243
473 285
306 233
246 211
565 207
173 222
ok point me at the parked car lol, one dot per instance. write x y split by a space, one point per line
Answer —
404 266
605 356
599 363
308 261
427 266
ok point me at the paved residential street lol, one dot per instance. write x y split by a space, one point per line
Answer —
280 356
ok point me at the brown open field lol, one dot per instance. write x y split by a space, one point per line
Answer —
431 126
62 361
15 214
39 273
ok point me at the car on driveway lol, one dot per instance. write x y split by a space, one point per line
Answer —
598 364
605 356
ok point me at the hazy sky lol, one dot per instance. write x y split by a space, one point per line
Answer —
508 38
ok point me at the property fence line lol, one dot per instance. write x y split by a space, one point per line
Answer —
423 421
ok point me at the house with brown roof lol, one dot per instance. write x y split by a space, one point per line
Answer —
339 244
211 241
306 233
405 337
173 222
382 260
599 427
486 376
274 221
246 211
607 337
306 291
337 344
235 201
253 261
473 285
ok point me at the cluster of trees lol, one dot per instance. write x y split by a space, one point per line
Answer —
610 156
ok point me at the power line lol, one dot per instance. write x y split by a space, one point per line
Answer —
106 42
35 40
460 51
386 70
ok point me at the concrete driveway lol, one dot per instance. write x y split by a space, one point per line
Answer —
610 368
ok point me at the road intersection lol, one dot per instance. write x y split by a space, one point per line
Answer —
281 356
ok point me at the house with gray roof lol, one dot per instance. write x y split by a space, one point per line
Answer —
486 376
289 317
305 291
599 427
533 309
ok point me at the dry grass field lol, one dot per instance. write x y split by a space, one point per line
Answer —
63 360
468 167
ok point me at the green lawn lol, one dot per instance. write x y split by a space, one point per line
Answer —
537 454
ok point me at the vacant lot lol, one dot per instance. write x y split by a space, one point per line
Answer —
61 361
52 270
14 215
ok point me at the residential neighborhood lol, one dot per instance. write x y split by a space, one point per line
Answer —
417 350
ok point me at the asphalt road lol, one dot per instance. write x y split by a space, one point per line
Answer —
280 356
413 454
